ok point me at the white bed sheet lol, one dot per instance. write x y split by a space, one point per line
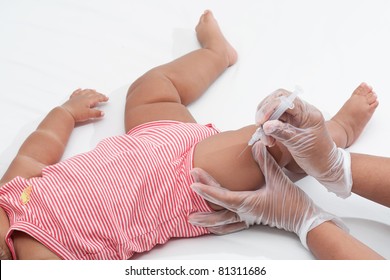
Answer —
51 47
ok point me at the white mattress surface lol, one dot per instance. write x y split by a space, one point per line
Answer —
51 47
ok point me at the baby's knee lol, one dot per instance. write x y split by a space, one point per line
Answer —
152 87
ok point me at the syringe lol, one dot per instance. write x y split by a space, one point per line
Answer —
286 102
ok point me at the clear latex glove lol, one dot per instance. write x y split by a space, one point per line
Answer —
278 204
302 130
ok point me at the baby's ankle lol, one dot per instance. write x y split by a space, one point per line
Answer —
339 133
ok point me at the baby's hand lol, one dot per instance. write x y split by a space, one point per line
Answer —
81 104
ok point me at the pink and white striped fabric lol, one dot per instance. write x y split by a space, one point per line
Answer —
128 194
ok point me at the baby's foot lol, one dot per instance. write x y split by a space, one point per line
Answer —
356 112
210 37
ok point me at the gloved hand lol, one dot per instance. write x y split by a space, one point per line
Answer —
302 130
278 204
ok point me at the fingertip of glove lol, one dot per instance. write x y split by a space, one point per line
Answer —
196 187
271 126
195 174
192 219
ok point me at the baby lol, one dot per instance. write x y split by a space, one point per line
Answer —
132 191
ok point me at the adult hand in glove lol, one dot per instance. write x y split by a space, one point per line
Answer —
302 130
278 204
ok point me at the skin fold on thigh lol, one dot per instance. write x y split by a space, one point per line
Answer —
135 116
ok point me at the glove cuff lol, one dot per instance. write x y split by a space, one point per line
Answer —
339 178
315 221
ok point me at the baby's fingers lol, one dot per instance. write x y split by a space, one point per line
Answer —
95 113
96 98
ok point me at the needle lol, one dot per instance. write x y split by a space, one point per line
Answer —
243 151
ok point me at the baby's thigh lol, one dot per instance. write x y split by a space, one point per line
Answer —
153 97
223 158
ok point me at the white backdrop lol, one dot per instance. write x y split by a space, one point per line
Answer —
48 48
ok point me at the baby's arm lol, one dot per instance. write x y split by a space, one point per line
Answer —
46 145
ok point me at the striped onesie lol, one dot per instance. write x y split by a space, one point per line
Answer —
127 195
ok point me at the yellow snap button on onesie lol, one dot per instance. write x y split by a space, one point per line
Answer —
26 195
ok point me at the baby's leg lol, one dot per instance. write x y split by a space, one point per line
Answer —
346 126
221 156
163 92
228 158
349 122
